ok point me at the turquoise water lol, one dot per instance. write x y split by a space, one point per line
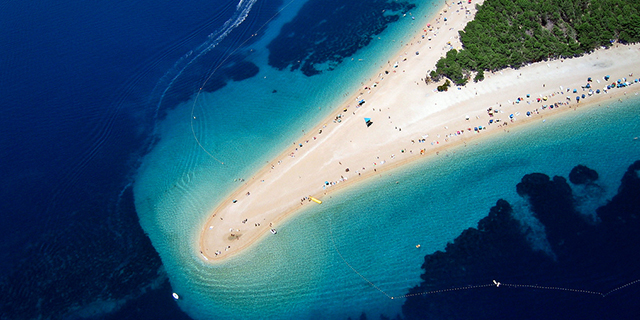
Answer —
373 227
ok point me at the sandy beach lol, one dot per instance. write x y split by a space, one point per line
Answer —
408 120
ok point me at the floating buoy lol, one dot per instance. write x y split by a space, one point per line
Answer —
175 296
418 246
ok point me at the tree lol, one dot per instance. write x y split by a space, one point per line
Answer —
479 76
512 33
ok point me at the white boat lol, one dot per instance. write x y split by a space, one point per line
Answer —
274 231
175 296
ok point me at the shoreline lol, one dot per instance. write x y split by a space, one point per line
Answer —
270 195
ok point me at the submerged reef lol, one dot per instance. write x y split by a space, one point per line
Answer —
198 76
333 30
590 274
582 175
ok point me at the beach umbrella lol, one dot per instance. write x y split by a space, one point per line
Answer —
583 96
606 78
575 90
368 122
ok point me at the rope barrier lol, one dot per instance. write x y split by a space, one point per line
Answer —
218 66
352 268
494 283
369 282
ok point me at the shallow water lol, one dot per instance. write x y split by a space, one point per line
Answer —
314 267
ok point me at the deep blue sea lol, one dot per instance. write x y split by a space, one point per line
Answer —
117 116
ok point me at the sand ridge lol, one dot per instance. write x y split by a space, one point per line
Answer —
410 119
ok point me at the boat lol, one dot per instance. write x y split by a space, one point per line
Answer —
175 296
274 231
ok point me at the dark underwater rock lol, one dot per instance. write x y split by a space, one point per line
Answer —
620 218
582 175
552 202
591 275
496 249
332 31
243 70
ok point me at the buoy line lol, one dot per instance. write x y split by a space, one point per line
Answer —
195 99
494 283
